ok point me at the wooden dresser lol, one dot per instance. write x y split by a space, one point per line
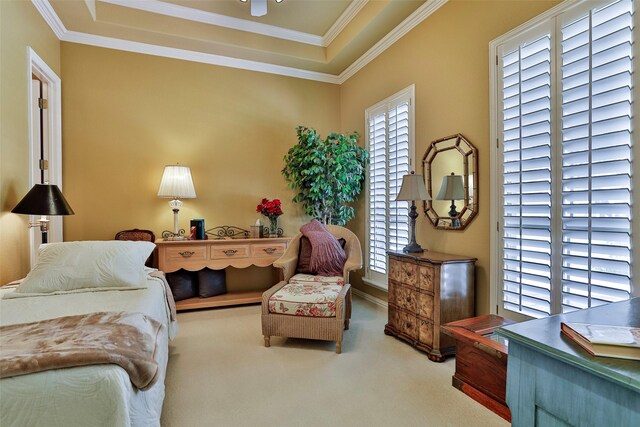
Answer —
194 255
427 290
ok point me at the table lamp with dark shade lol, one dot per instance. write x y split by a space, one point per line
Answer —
452 189
413 189
43 200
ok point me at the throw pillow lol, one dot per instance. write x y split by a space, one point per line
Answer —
327 257
183 284
304 255
68 266
211 283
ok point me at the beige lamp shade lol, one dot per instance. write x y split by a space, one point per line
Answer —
176 183
413 188
452 188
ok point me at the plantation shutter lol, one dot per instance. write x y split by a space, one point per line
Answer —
390 147
526 135
596 156
398 149
378 191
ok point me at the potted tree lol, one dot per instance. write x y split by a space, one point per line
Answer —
326 173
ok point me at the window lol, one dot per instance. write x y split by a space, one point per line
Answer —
563 175
389 138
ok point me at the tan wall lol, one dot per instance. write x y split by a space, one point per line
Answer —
127 115
446 56
20 26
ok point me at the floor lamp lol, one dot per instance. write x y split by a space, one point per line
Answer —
43 200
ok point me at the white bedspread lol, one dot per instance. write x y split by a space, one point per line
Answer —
100 395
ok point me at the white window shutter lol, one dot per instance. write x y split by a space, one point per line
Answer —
378 167
526 135
390 147
596 157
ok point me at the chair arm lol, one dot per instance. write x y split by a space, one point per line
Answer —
340 301
268 293
350 265
287 264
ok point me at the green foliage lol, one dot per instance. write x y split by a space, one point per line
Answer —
327 174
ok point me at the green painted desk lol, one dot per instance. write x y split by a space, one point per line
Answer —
552 381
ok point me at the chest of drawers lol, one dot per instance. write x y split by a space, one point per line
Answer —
426 291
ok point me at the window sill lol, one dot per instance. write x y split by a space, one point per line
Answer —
383 286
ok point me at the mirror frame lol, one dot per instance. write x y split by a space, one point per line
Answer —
469 157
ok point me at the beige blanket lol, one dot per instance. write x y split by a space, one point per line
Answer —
128 340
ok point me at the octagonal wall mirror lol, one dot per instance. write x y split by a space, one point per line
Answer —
450 169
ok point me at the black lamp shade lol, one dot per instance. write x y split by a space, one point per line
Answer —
43 199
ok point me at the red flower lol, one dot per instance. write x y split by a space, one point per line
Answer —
270 208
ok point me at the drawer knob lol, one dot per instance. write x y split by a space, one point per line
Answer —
186 254
230 252
269 250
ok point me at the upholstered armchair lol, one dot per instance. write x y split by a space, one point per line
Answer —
309 321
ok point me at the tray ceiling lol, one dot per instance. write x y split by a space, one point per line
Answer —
315 39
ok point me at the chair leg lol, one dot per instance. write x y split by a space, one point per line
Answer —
346 324
267 341
338 347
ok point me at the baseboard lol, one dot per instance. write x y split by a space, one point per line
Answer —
370 297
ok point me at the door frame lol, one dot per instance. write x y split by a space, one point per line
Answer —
38 67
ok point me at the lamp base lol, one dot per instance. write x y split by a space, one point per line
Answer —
412 248
170 235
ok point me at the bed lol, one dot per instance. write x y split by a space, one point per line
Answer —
95 395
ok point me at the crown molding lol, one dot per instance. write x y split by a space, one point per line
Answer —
350 12
51 17
420 14
188 55
202 16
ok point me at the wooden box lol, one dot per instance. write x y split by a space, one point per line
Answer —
481 361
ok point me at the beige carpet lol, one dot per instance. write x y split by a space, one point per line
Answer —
220 374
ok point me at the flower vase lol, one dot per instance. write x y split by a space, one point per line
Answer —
273 226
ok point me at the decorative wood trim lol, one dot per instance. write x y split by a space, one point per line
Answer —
370 298
187 55
347 16
196 15
50 16
420 14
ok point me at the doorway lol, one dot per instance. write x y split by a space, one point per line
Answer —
45 140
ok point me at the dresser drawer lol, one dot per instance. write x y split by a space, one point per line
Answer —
186 253
427 278
425 332
268 249
407 324
405 297
403 272
229 251
425 305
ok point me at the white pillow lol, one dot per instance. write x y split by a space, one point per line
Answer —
76 265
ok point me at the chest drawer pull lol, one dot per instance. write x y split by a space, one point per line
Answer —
186 254
269 250
230 252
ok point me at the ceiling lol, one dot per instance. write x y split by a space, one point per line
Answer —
325 40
